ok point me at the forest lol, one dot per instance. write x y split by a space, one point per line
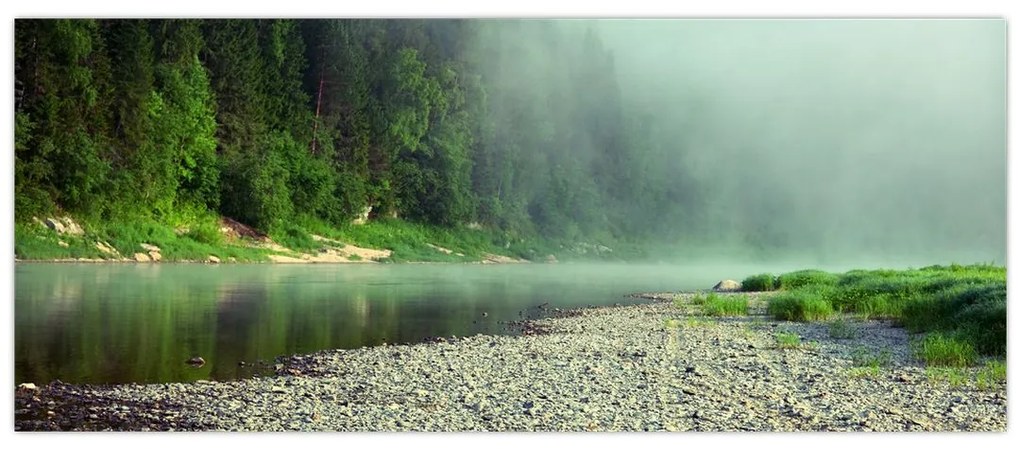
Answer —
683 138
272 121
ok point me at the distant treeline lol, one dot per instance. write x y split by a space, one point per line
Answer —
514 124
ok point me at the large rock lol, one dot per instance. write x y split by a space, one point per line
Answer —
213 259
106 248
150 248
55 225
142 257
64 225
727 285
155 256
70 227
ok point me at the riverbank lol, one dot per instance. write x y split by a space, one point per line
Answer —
658 366
215 240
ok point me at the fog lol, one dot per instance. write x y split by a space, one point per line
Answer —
880 136
832 140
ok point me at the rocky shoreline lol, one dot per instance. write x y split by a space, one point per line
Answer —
647 367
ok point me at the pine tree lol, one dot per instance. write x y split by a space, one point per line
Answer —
63 71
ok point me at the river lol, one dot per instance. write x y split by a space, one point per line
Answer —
124 323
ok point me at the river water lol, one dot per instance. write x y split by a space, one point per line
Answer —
123 323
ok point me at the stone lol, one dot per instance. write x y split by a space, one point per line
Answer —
156 257
142 257
150 248
213 259
62 243
27 386
55 225
106 248
70 227
196 361
551 259
727 285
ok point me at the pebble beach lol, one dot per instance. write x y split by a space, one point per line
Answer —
643 367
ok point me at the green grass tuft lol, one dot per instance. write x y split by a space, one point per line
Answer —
702 299
787 340
296 238
800 305
797 279
954 376
938 349
993 373
734 305
759 283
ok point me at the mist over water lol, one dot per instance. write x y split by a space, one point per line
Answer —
826 141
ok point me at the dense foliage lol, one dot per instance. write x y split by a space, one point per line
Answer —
266 121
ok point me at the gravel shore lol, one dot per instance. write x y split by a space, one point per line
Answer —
648 367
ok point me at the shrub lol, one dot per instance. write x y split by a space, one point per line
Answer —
206 232
758 283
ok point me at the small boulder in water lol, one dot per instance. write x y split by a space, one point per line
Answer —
727 285
196 361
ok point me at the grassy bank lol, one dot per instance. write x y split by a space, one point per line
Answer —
35 241
197 237
960 311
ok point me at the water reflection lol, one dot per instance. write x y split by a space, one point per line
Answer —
139 323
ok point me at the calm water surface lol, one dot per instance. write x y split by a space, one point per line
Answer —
139 323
